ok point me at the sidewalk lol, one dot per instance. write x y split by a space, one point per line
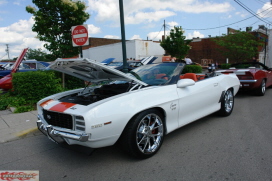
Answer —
16 125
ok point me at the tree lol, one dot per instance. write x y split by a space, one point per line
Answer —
38 55
175 44
53 22
240 46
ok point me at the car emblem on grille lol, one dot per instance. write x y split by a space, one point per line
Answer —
48 116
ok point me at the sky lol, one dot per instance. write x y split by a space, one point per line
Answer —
144 19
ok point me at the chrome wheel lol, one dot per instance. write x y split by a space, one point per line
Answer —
144 134
260 91
227 103
149 133
263 87
228 100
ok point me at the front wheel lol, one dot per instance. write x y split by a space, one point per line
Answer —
144 134
227 103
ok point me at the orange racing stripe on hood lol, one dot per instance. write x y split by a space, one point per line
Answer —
61 107
46 103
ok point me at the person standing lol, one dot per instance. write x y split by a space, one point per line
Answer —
188 60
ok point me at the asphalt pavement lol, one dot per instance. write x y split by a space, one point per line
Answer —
16 125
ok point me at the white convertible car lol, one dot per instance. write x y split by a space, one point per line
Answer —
137 109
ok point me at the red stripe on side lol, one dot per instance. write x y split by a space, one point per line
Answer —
61 107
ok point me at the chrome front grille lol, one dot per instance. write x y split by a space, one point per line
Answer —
58 119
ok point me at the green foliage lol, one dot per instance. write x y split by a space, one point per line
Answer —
38 55
53 22
192 69
4 101
30 87
238 47
25 108
225 66
10 100
70 82
35 85
175 44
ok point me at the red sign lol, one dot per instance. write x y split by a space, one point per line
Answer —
80 35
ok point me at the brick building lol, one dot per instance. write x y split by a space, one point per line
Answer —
202 48
206 48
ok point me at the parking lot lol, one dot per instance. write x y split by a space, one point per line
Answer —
237 147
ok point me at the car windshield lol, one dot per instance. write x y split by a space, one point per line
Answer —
22 66
157 74
8 66
134 64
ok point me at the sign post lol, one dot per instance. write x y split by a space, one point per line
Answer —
80 36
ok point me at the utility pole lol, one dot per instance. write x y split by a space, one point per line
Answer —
7 50
124 50
164 28
266 38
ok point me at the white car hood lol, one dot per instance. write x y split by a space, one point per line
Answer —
92 71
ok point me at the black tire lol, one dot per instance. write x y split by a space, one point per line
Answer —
260 91
227 103
144 134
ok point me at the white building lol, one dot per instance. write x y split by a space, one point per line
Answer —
265 56
136 49
268 61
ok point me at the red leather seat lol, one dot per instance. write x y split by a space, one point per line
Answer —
159 76
190 76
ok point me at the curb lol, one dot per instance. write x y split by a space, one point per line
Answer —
26 132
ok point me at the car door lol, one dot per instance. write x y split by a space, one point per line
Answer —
199 100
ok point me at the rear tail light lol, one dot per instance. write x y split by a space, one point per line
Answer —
247 76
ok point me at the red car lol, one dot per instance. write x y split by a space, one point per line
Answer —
5 82
253 76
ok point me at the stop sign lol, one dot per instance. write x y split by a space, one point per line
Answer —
80 35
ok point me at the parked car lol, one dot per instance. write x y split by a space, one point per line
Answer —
254 76
107 61
133 64
138 108
2 65
27 65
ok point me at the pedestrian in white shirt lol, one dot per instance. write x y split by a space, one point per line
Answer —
188 60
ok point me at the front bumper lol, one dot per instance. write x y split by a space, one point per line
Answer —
59 136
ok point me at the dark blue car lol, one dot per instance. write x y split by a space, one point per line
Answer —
27 65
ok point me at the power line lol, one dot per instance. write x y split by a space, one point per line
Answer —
259 1
250 11
158 33
229 24
3 56
258 20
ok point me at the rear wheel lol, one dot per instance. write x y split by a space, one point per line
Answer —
144 134
260 91
227 103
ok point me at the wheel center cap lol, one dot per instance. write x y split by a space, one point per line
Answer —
148 131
